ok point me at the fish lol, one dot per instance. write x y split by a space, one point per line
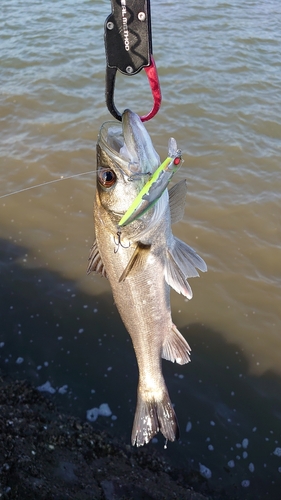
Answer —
142 261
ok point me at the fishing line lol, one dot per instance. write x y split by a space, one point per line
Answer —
45 183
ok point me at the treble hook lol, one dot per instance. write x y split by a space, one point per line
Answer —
118 242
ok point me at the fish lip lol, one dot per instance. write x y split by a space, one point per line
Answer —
108 131
136 155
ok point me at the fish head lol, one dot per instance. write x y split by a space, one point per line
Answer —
125 160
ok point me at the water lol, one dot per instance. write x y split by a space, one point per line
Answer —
220 71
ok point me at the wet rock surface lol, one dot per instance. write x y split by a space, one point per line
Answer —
47 455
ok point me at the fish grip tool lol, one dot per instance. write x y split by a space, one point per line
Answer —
128 47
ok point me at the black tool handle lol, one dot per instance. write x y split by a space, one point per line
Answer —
128 43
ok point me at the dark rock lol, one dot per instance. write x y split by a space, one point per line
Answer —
46 455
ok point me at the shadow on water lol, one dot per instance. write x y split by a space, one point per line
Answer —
230 419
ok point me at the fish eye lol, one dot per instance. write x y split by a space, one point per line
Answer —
106 177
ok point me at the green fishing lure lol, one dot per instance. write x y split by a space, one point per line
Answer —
155 186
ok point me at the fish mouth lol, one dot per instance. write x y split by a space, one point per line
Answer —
129 145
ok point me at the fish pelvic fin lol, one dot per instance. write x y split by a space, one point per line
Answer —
177 195
137 261
95 263
176 348
181 263
153 416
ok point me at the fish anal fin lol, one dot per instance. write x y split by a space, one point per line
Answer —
153 416
95 263
137 261
176 348
177 195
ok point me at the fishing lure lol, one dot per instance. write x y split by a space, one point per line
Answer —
155 186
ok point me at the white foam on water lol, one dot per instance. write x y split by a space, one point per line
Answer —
204 471
104 410
46 388
63 389
245 483
277 452
245 443
188 427
231 464
92 414
19 360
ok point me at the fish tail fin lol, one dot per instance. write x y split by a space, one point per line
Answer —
153 416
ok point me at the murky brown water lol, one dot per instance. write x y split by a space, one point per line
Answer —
220 71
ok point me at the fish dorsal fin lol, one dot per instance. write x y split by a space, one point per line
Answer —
181 263
95 263
175 347
137 260
177 195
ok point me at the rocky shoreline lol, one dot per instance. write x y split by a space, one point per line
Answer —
47 455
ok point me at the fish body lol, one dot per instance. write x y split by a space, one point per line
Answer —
142 260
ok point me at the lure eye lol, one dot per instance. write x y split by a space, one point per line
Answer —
106 177
177 160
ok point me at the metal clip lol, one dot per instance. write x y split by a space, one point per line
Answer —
128 48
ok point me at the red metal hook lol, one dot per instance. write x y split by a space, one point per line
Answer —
153 79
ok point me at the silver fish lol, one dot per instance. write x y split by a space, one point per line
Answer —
142 261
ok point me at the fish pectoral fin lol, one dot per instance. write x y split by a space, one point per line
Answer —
181 263
176 348
95 263
177 195
137 261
